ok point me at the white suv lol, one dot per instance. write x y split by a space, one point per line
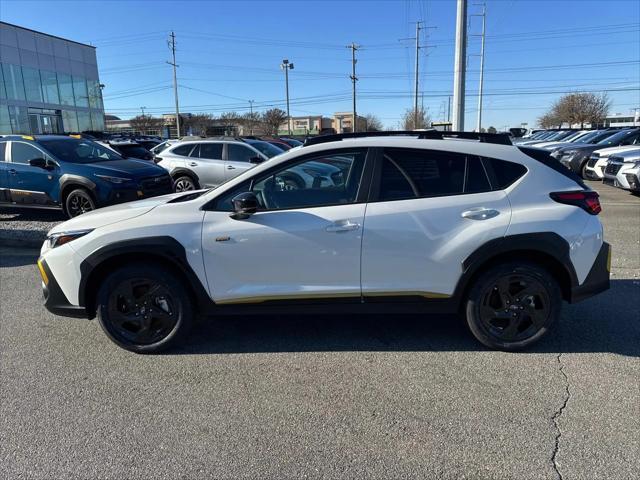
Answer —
621 170
598 160
376 223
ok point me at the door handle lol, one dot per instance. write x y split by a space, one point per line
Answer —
193 164
12 171
345 226
480 213
230 167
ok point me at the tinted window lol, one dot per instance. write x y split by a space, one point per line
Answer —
211 150
426 173
23 152
182 150
133 151
240 153
506 172
330 179
2 149
79 151
265 147
623 137
476 180
545 157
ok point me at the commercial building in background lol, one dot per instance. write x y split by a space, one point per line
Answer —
47 84
307 125
622 120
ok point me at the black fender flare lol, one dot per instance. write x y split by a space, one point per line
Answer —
70 179
168 248
549 244
175 173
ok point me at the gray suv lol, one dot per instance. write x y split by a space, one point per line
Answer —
211 162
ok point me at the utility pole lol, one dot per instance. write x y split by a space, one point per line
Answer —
460 66
480 87
354 79
415 98
286 66
172 46
251 117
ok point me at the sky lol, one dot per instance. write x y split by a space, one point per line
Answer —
229 52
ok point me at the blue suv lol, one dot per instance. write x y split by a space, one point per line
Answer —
74 173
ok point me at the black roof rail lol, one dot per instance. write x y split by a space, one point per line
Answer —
496 138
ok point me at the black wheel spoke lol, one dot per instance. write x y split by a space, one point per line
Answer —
511 331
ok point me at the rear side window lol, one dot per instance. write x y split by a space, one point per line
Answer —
426 173
505 173
544 157
182 150
211 150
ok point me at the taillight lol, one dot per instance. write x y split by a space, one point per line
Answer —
585 199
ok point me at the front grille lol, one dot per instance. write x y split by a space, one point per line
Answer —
612 168
156 185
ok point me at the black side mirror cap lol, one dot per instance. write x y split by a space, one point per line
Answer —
256 160
244 205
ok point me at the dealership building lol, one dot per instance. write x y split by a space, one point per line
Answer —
47 84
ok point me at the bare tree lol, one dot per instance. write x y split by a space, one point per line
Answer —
577 108
373 123
198 123
272 119
409 117
251 121
145 123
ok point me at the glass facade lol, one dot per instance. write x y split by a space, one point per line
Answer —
47 84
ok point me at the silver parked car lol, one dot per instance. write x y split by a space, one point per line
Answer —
211 162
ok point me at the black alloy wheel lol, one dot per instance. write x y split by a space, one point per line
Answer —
78 202
512 306
144 309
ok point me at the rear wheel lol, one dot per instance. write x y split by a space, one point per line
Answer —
185 183
144 309
77 202
513 305
583 171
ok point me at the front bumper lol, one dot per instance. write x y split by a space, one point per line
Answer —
54 298
597 280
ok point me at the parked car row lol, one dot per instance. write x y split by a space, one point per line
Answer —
611 155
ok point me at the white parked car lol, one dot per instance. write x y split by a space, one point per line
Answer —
386 223
621 170
598 160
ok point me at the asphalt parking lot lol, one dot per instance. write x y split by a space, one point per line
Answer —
318 397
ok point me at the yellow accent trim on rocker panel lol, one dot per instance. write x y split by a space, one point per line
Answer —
322 296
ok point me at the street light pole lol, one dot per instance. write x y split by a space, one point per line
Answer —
460 66
354 79
415 98
286 66
480 87
172 46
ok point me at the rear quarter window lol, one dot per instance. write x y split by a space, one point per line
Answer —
545 158
505 173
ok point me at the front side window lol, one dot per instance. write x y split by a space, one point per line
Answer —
330 179
23 152
240 153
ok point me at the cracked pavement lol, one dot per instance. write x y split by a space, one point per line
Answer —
326 397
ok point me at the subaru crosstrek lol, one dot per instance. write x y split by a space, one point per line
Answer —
391 223
73 173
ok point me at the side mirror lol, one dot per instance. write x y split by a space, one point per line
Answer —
244 205
256 160
38 162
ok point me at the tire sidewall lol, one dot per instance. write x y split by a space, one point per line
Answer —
181 301
475 295
189 179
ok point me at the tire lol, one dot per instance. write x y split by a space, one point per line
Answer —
77 202
505 319
144 309
185 183
583 171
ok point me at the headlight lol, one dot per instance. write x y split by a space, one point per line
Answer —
113 179
57 239
569 152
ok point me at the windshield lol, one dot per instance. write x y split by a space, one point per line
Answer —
292 141
135 151
79 150
617 138
159 148
265 148
586 137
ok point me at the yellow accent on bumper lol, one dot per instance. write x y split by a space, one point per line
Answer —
43 274
609 260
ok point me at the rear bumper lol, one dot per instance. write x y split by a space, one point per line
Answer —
597 280
54 298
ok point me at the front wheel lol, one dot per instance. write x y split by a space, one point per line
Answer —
513 305
144 309
78 201
185 184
